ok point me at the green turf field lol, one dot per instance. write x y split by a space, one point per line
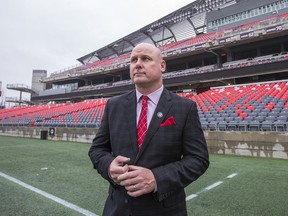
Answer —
63 169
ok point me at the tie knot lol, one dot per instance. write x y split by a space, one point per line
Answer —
144 99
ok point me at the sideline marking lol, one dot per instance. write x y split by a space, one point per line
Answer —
49 196
213 185
232 175
192 196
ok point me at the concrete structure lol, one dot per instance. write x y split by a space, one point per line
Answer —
37 76
254 144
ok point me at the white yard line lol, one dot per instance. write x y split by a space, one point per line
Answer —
210 187
232 175
190 197
49 196
213 185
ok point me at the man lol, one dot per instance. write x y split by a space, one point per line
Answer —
148 174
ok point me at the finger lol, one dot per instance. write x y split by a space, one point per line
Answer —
128 179
122 169
128 182
122 160
115 171
127 175
133 168
136 193
134 187
118 170
131 188
138 190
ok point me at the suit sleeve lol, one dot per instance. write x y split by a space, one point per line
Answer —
100 150
194 162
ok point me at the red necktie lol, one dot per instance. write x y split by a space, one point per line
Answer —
142 122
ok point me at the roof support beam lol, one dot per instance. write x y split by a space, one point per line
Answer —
128 41
189 20
114 50
171 32
154 42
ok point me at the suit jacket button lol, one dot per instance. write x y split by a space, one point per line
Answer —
126 201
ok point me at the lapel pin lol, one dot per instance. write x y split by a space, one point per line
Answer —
159 114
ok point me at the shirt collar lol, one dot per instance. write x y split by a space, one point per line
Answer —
154 96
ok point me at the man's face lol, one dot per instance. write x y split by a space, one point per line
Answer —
146 66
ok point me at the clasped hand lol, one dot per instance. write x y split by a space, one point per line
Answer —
136 180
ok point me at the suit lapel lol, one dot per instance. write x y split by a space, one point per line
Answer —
160 113
130 115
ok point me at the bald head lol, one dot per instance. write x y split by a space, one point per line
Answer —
148 47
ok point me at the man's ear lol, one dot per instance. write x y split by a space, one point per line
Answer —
163 66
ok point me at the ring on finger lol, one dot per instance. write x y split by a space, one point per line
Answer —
134 187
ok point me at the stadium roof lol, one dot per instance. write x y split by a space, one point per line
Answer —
181 24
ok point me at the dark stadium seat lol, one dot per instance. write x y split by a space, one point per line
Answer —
222 126
213 126
270 118
218 119
204 125
281 117
254 125
267 125
232 125
259 118
211 119
280 125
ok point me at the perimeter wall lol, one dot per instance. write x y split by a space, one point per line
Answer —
255 144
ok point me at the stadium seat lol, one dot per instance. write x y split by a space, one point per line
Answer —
254 125
279 125
213 126
204 125
222 126
232 125
267 125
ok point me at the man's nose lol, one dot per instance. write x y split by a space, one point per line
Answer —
138 64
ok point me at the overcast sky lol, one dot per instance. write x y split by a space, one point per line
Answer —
52 34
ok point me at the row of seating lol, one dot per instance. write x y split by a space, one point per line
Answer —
253 107
198 70
270 21
83 114
256 61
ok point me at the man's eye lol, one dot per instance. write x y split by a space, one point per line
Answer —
133 60
145 58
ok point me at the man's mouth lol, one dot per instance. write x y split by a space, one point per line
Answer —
139 73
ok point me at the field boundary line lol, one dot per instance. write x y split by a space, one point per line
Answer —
49 196
210 187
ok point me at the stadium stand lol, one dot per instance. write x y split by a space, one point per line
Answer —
205 40
259 107
251 107
82 114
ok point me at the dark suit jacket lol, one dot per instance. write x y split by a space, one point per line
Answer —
176 154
